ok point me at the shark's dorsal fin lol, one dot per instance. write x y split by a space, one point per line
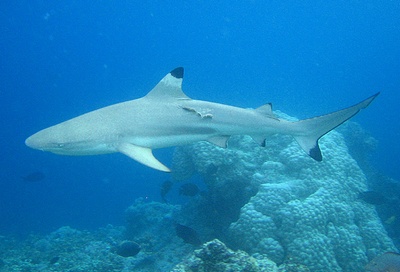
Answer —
169 87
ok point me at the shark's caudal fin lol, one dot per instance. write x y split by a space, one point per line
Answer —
310 130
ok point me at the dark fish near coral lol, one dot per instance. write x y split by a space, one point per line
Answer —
391 220
127 249
187 234
54 260
165 188
373 197
189 189
387 262
211 169
34 177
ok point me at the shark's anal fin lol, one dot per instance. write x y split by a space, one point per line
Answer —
260 140
143 155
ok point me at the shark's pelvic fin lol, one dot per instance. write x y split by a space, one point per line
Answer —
169 87
310 130
143 155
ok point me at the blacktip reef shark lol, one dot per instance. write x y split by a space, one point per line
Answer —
167 117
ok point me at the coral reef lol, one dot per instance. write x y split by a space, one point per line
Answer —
152 225
360 144
65 249
227 174
277 208
149 217
150 228
302 210
214 256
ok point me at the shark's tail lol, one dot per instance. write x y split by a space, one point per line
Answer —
309 131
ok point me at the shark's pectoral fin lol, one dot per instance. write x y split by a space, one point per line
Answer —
143 155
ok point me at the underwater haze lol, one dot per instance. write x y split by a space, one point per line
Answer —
60 59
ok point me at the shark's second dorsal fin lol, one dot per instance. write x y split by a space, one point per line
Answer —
266 110
169 87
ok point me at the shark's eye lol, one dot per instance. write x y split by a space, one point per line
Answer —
60 145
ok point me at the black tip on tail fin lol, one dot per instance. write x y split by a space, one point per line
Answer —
177 72
312 129
310 146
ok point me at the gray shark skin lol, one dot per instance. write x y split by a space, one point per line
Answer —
167 117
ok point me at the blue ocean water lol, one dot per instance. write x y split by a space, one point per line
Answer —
61 59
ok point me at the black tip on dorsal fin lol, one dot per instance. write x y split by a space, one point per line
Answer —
177 72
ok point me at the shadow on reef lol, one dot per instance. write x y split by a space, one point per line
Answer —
220 205
229 186
361 146
389 209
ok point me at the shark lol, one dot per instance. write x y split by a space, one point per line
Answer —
167 117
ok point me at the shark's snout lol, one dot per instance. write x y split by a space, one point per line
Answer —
54 140
33 142
42 140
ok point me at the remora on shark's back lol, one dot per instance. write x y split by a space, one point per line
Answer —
167 117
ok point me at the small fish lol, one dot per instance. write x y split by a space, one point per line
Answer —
373 197
34 177
128 249
165 188
391 220
54 259
187 234
387 262
189 189
211 169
